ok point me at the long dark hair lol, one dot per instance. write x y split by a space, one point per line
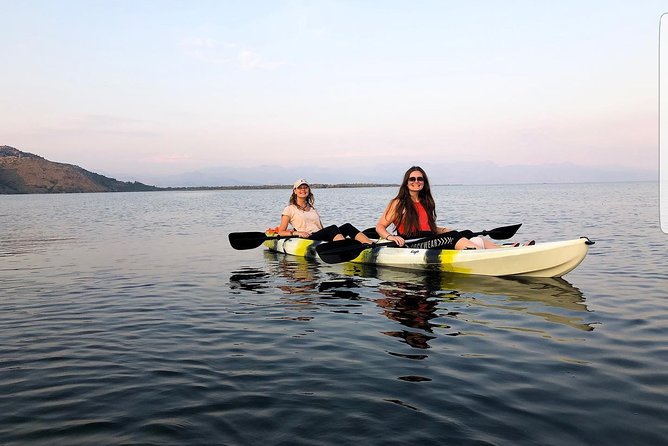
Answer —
405 210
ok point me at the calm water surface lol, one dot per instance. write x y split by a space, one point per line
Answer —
128 319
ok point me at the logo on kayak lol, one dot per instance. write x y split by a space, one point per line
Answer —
435 243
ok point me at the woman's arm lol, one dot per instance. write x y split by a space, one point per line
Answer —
442 230
284 231
283 227
386 220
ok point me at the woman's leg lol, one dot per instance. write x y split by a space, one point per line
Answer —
483 243
475 243
489 244
351 231
478 241
327 234
464 243
360 237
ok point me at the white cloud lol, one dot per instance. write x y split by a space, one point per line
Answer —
208 50
248 60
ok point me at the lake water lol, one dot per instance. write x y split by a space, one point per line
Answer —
127 318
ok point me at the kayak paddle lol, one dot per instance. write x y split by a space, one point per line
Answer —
346 250
500 233
250 240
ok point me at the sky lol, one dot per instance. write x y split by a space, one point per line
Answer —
144 90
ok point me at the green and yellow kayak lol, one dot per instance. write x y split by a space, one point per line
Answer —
549 259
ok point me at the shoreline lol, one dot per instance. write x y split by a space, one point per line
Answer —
278 186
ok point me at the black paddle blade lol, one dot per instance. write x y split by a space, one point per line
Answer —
246 240
503 232
340 250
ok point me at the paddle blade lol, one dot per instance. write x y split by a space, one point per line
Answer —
340 250
503 232
246 240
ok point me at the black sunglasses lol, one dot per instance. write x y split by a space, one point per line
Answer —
414 179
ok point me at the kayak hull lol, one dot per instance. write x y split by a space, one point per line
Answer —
549 259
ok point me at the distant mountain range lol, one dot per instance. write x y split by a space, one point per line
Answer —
476 172
26 173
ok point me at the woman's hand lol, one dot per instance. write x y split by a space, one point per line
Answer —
396 239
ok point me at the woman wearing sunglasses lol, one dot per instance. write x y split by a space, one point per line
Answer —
413 214
305 219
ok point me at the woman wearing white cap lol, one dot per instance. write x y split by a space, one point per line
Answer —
305 220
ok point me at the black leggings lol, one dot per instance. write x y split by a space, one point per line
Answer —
327 234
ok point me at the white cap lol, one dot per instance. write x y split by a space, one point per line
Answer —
299 182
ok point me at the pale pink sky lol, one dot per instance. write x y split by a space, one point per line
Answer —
150 88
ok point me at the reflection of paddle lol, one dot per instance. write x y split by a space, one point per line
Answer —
250 240
348 249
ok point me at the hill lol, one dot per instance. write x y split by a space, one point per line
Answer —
27 173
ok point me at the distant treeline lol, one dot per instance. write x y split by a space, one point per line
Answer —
280 186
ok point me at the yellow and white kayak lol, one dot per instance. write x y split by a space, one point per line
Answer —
548 259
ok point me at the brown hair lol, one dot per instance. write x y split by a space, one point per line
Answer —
405 211
310 199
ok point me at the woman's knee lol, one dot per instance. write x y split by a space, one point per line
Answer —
326 234
464 243
478 242
349 230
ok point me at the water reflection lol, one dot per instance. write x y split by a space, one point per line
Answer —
426 302
413 305
421 306
249 279
298 275
14 246
295 275
412 298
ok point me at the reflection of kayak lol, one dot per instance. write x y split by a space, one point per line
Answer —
551 291
551 299
550 259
